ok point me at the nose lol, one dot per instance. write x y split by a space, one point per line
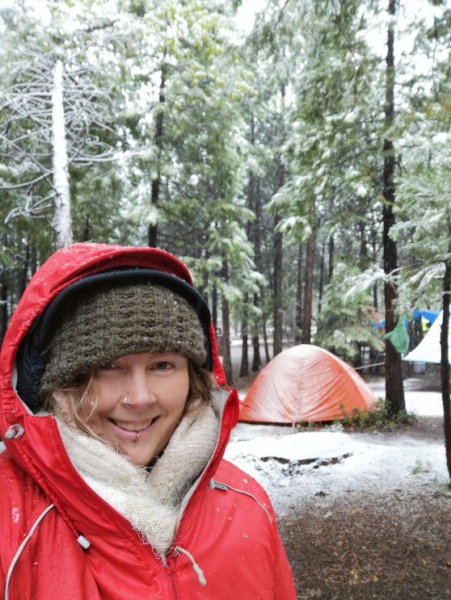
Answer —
140 394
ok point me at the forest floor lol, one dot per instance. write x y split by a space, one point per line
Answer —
371 516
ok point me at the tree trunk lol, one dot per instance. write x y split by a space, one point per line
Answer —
226 341
256 358
363 244
266 343
278 255
152 231
214 306
444 364
278 311
375 294
244 368
321 279
308 291
62 220
251 201
256 237
298 314
331 258
394 388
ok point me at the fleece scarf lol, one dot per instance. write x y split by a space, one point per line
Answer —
149 500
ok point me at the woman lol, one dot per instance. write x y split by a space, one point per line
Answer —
112 482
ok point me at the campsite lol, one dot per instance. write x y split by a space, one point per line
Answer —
296 157
362 513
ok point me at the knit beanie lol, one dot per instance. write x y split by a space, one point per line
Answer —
112 322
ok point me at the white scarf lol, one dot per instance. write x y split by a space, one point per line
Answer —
149 500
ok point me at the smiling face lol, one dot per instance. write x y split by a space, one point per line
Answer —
155 389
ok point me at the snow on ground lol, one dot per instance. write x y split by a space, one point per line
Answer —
295 466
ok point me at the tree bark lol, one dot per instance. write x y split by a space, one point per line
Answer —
226 341
278 255
278 310
331 258
214 306
298 315
256 358
256 238
444 364
394 388
152 232
244 367
321 279
278 259
266 343
375 290
308 291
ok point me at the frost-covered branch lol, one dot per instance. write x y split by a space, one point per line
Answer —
27 135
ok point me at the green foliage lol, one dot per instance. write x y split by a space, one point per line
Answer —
280 132
331 144
147 64
347 322
378 418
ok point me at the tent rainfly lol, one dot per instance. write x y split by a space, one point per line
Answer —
305 383
429 349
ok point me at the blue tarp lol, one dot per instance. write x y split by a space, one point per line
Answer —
429 315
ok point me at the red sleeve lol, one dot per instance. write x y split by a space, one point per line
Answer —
283 579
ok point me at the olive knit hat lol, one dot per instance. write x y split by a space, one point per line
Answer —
115 321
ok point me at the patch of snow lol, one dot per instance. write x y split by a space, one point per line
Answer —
295 467
299 446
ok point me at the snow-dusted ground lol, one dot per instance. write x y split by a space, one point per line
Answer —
295 466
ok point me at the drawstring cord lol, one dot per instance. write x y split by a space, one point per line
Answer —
197 569
84 543
225 486
22 546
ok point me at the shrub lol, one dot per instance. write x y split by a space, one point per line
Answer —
377 418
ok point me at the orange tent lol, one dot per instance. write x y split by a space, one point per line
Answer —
305 383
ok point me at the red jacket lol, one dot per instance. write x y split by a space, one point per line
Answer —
60 540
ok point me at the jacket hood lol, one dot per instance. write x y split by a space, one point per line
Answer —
68 272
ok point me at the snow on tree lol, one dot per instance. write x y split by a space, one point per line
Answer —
62 221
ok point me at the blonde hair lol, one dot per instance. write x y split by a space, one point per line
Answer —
77 405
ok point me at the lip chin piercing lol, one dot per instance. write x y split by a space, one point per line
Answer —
127 405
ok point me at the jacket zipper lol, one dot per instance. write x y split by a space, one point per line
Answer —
168 563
